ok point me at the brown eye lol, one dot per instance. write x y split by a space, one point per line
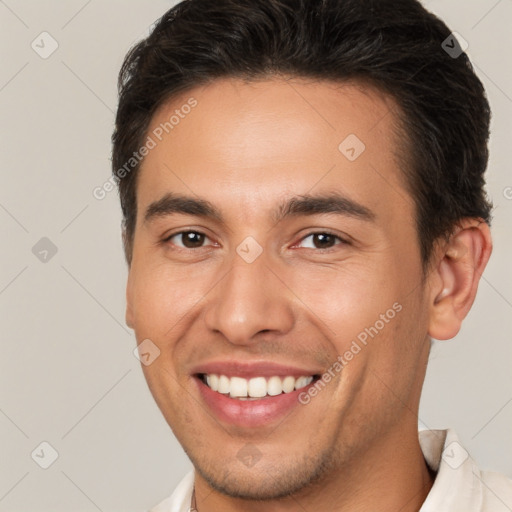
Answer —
188 239
322 240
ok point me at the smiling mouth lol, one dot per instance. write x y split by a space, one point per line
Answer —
255 388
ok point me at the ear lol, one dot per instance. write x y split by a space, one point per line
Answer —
459 263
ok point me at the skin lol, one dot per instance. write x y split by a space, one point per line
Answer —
245 148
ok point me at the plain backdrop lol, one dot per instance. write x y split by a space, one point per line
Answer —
68 376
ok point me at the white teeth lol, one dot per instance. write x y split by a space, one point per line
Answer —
274 386
257 387
223 384
301 382
288 384
213 381
238 387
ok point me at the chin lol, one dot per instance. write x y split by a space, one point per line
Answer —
265 480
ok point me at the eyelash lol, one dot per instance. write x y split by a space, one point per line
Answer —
324 232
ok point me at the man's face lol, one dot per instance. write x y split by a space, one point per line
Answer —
305 287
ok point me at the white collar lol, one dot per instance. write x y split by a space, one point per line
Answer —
457 485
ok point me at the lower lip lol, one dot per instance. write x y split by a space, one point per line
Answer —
250 413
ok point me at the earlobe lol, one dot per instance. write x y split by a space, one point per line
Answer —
454 281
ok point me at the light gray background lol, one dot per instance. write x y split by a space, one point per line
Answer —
67 372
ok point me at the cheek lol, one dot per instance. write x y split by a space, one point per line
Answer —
344 300
162 296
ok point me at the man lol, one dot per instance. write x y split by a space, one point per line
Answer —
302 190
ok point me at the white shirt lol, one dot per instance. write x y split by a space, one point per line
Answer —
459 485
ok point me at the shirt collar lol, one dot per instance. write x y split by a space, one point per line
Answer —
457 485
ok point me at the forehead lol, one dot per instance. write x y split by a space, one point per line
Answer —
259 142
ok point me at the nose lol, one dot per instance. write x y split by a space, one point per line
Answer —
248 300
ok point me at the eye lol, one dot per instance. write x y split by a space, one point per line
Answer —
322 240
187 239
195 240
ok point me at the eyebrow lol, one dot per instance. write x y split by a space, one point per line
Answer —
306 204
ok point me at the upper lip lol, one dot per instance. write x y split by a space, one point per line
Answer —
249 369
